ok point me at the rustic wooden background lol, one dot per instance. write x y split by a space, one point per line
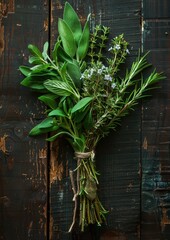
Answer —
134 162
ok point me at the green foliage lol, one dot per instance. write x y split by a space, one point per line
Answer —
85 95
82 104
83 44
67 38
73 21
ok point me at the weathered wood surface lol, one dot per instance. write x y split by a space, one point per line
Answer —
155 126
35 191
23 166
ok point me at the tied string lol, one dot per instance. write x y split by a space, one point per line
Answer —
79 156
84 155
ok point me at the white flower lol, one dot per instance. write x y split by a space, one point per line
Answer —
99 71
117 47
127 51
82 76
108 77
113 85
110 49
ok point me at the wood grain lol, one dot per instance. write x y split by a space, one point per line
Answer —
155 127
23 160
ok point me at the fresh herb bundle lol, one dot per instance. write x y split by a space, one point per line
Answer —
86 98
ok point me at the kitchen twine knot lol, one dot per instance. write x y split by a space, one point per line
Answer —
84 155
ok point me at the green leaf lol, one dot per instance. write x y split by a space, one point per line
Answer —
55 50
79 143
39 68
25 70
35 60
80 115
75 74
34 51
48 122
57 113
67 38
59 88
73 21
32 83
54 137
63 56
59 54
47 125
37 131
49 100
45 50
88 121
83 44
83 103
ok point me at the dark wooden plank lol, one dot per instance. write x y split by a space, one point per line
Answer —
156 9
118 156
23 167
156 132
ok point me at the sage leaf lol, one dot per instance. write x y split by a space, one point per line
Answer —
37 131
59 88
34 51
75 73
57 112
45 50
83 44
79 116
63 56
73 21
34 83
55 50
67 38
35 60
84 102
39 68
25 70
45 126
88 121
49 100
48 122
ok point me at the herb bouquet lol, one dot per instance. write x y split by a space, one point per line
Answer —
85 97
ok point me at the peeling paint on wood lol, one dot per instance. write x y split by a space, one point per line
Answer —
7 8
145 144
3 143
1 39
165 220
56 169
46 25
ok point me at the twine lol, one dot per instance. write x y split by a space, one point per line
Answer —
84 155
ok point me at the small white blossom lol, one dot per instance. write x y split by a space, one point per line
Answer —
117 47
113 85
100 71
108 77
91 71
127 51
110 49
82 76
